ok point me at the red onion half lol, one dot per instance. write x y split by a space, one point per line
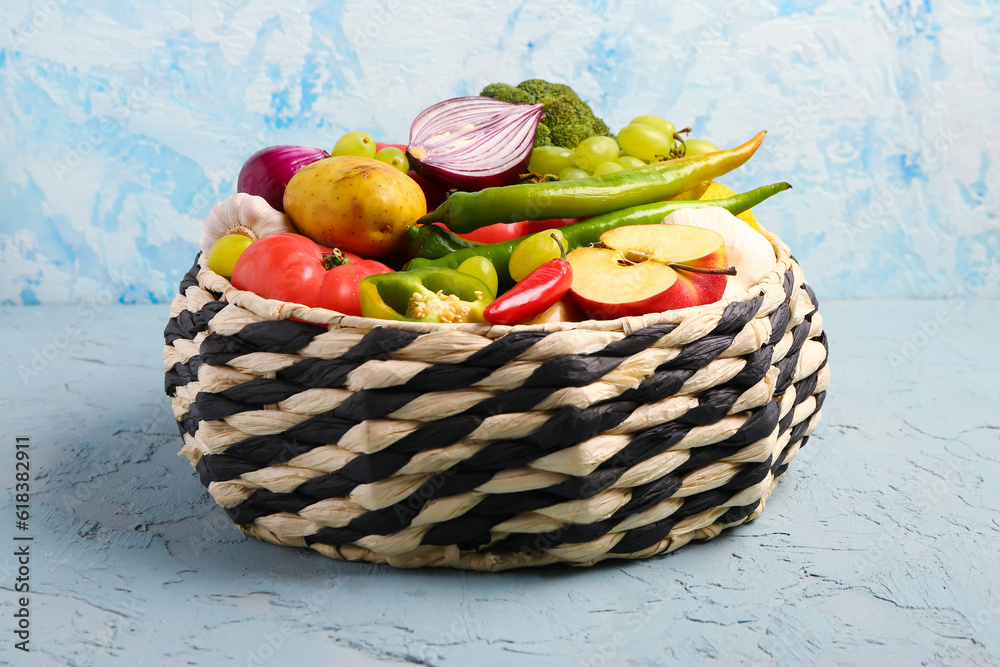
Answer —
268 171
471 143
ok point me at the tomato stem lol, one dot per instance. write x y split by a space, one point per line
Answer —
335 258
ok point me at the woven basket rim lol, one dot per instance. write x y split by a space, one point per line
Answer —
274 309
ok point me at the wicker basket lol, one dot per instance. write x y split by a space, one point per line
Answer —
491 447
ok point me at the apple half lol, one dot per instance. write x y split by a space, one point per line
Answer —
648 269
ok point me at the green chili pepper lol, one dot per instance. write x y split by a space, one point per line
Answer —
433 241
590 230
425 295
464 212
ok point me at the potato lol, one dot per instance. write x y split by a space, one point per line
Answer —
355 204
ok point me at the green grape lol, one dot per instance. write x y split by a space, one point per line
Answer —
481 268
657 123
223 254
359 144
550 160
534 251
629 162
698 147
572 173
394 157
595 150
607 168
645 142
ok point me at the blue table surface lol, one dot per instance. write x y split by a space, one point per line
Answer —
878 547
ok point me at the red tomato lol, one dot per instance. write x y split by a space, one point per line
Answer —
289 267
339 290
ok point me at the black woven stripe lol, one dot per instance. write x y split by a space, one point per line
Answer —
221 467
572 425
788 283
215 406
515 503
478 366
264 502
646 536
820 399
785 422
190 278
713 405
800 334
758 364
736 316
262 391
322 429
438 433
379 343
648 443
374 403
268 450
219 350
191 419
699 354
786 372
501 455
739 513
660 385
571 370
798 430
332 485
599 480
369 468
760 424
189 324
650 494
334 536
515 400
387 520
181 374
318 373
471 530
780 318
636 341
398 516
447 377
805 387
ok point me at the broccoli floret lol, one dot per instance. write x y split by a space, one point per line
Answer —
543 136
506 93
568 119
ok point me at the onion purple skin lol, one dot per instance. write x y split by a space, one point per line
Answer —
449 180
268 171
473 143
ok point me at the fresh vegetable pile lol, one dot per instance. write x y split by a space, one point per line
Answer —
513 207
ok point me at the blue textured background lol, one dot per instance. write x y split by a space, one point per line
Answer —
125 122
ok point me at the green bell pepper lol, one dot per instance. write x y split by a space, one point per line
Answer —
425 295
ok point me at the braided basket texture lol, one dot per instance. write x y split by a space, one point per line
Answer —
491 447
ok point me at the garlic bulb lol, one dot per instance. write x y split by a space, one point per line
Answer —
746 248
245 214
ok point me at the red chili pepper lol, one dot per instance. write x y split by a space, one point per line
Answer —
505 231
534 294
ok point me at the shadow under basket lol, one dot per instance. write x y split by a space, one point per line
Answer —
493 447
